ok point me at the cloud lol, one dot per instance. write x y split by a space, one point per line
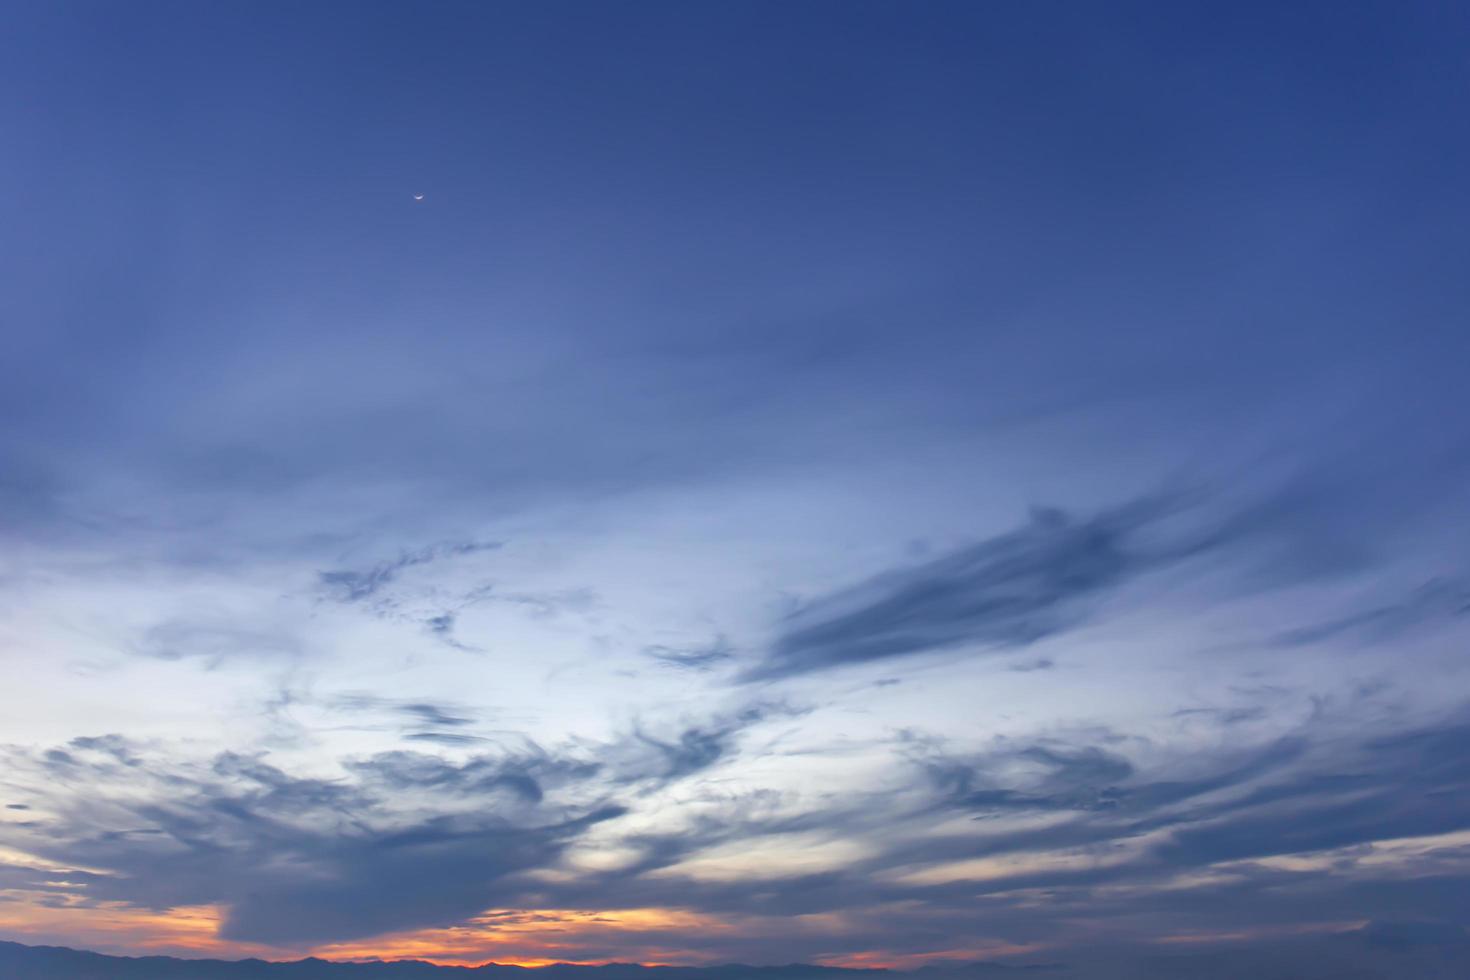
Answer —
433 714
1063 778
694 749
420 719
408 839
305 860
1295 796
1031 666
699 658
1068 818
1437 601
214 640
525 775
1052 573
401 840
356 585
1225 716
675 752
1375 793
445 738
1006 592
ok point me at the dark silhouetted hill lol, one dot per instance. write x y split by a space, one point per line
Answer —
1378 951
21 962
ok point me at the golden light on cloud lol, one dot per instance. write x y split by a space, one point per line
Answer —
773 857
1260 932
994 868
536 937
892 960
20 859
1406 855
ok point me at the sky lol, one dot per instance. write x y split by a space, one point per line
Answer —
846 482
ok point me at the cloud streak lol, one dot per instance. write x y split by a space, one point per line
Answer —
1006 592
352 585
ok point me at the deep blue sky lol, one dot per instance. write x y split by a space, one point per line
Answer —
804 477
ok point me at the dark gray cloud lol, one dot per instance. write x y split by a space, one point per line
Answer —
409 839
1125 835
1030 666
694 749
1008 591
445 738
527 774
1285 798
1052 573
304 860
705 657
443 626
433 714
416 715
1063 778
1407 785
664 755
404 839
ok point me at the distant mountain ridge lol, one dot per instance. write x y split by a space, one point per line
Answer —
1379 951
22 962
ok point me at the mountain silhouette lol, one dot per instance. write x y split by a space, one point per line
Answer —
1422 950
21 962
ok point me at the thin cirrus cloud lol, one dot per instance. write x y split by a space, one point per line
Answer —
1036 581
1436 602
1007 592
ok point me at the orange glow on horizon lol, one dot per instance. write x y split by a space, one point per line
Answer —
883 960
526 938
125 930
529 938
536 937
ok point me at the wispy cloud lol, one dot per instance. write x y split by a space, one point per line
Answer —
1437 601
1006 592
359 584
706 657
